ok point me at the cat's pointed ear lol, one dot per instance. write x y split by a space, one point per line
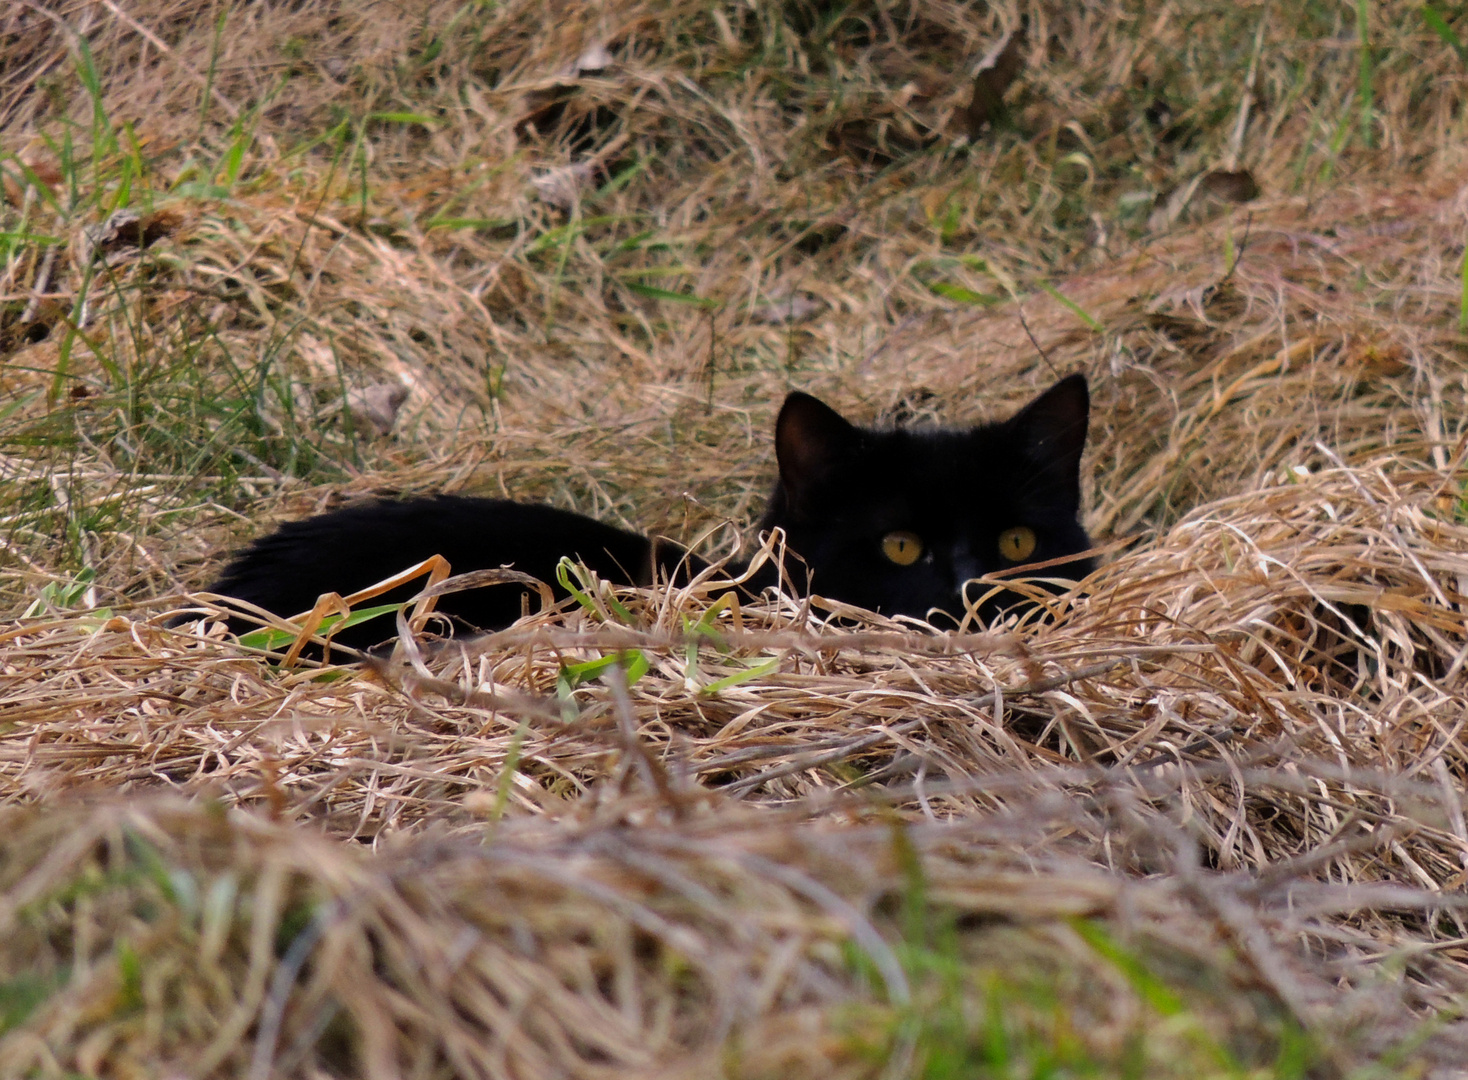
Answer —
1051 430
811 438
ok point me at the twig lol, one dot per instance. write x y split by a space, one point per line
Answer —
1239 254
43 280
1043 355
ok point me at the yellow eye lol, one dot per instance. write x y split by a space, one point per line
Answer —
1017 544
903 548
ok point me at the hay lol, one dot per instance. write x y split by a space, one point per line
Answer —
1313 620
805 840
625 945
1268 701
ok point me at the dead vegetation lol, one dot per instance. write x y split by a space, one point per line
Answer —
1207 820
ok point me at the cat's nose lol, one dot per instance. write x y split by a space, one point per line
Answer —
965 566
961 572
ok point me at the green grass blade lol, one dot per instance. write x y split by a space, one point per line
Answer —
103 139
655 293
949 291
402 118
1463 294
206 99
507 774
1365 76
24 992
562 234
486 224
624 177
268 637
1439 26
41 188
634 662
1070 305
234 157
762 668
565 569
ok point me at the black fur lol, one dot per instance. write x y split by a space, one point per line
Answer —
352 548
841 490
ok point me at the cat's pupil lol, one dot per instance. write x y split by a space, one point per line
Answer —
1017 544
902 547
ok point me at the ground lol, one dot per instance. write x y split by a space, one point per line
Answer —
1205 819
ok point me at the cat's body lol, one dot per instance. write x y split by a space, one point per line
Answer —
349 549
893 521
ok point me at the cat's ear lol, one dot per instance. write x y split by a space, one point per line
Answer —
811 438
1051 430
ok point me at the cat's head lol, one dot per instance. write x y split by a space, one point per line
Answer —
897 521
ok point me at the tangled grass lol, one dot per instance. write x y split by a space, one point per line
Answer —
1206 818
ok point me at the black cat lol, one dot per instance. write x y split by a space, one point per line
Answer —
893 521
896 521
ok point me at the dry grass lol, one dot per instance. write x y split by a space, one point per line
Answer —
1206 821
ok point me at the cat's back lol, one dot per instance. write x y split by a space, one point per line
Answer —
356 546
441 523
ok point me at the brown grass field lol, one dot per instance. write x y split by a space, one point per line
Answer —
1206 821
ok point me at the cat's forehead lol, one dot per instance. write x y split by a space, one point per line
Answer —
932 474
938 449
